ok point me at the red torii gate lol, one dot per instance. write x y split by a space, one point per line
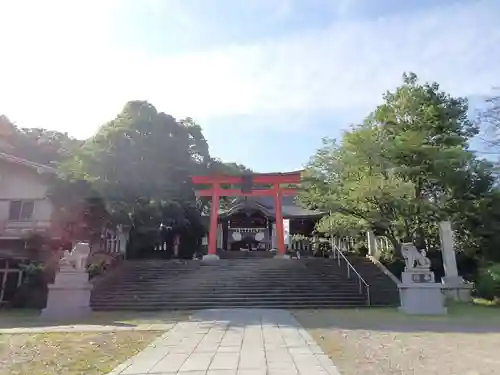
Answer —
246 182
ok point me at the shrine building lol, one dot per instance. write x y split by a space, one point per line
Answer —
249 223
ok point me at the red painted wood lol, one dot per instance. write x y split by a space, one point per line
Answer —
237 193
280 240
212 235
260 178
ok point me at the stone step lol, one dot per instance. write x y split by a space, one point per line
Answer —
251 275
230 298
242 280
213 293
242 283
235 282
212 305
230 294
248 290
235 286
134 307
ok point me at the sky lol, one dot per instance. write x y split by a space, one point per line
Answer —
266 79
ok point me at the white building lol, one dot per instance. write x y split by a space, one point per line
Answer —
24 210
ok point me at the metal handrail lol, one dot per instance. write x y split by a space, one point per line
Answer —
350 267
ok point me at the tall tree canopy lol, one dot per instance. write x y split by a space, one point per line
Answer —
403 169
142 157
138 166
48 147
141 164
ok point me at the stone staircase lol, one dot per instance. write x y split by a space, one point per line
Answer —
383 291
246 254
237 283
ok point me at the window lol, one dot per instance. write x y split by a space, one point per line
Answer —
21 210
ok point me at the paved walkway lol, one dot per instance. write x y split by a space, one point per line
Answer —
232 342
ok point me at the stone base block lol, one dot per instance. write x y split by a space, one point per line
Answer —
457 289
282 256
210 257
422 299
71 278
452 280
64 302
52 314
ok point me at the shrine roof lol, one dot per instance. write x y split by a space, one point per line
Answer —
266 204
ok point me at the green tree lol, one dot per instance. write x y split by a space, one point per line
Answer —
352 179
198 146
488 119
338 224
141 156
217 166
39 145
79 211
426 133
141 164
402 170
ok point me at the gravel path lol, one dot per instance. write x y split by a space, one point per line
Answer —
362 344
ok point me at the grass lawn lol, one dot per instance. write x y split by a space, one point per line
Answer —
474 313
69 353
19 318
385 342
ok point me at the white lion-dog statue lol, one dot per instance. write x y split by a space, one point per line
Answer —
77 258
414 259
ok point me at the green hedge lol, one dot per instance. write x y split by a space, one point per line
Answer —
488 281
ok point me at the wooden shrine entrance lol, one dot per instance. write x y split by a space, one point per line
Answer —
272 183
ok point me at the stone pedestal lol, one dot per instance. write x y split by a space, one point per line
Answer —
457 289
282 256
210 257
69 296
420 295
454 286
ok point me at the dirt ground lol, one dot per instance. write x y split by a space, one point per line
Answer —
384 342
94 353
20 318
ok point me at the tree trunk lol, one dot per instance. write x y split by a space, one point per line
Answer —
396 245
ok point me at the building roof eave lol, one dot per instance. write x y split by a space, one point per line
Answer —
246 205
40 168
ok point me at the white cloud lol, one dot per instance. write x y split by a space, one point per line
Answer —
64 72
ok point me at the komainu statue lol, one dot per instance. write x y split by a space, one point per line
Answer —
77 258
414 258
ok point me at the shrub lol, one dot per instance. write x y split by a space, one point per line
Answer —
32 292
360 248
488 281
33 274
96 269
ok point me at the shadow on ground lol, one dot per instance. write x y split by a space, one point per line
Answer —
461 318
13 318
